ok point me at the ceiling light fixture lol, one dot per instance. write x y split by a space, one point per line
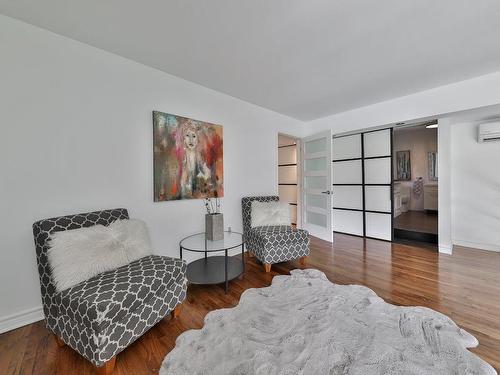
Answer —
431 126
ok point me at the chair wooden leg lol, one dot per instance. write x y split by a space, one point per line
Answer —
59 341
267 267
302 261
107 368
250 254
176 311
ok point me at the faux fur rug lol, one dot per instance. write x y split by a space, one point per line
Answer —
304 324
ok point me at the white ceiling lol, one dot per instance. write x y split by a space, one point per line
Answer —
303 58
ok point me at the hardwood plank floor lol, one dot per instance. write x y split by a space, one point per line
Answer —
464 286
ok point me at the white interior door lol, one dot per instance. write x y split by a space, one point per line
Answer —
317 185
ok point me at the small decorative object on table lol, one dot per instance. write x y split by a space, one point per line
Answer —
214 220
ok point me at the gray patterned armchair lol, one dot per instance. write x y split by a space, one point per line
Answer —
103 315
273 244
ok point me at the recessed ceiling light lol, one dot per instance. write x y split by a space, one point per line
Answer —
432 126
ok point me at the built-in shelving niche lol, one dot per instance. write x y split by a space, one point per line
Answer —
288 155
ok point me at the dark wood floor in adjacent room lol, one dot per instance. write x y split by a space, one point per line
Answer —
465 286
417 221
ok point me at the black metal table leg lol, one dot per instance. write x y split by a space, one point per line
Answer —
206 252
243 258
225 270
180 251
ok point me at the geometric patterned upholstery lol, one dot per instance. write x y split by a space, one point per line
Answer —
272 244
108 297
101 316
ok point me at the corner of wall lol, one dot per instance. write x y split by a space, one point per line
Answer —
22 318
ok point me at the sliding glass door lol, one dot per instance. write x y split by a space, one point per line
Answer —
362 184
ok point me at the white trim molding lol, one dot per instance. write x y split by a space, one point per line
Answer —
445 249
477 245
444 187
10 322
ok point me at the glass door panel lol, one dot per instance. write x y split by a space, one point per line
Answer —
377 162
378 226
348 197
315 145
377 143
349 222
378 171
317 201
347 172
347 147
315 182
316 164
378 198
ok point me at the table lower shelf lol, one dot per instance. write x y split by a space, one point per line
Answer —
211 270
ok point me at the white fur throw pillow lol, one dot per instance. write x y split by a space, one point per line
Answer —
270 213
79 254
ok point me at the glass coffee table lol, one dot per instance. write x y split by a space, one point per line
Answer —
214 269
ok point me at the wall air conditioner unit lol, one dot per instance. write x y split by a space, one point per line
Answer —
488 132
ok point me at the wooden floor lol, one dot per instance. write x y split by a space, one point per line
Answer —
465 286
417 221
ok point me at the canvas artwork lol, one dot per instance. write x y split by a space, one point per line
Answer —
188 158
403 166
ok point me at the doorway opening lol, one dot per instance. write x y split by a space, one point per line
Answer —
415 177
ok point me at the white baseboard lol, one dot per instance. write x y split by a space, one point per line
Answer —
10 322
445 248
477 245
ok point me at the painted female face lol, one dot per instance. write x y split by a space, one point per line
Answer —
190 139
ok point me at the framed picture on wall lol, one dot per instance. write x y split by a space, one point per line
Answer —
433 166
188 158
403 165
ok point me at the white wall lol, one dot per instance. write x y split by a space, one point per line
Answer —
420 141
76 135
475 196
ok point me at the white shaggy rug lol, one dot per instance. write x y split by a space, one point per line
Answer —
304 324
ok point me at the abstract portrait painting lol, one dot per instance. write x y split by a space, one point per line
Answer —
188 158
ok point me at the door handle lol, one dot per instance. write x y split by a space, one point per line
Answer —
326 192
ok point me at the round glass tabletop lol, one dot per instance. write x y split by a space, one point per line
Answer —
198 242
